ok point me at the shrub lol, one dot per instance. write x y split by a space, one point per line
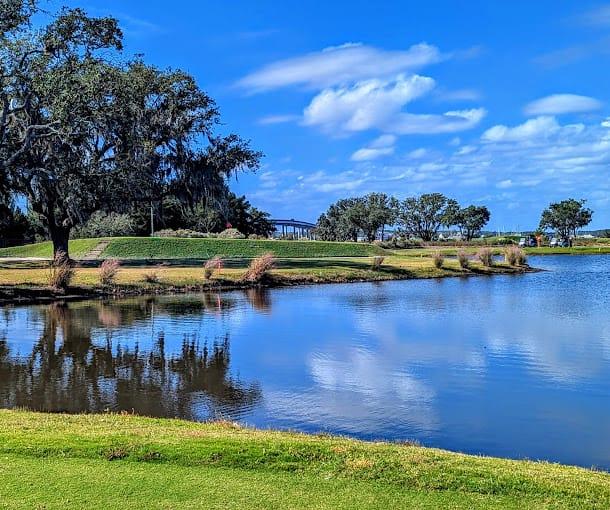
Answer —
438 259
231 233
463 259
102 224
377 261
515 256
108 271
257 237
61 271
259 267
210 266
485 255
151 276
181 232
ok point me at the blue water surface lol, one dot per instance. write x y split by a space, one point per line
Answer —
511 366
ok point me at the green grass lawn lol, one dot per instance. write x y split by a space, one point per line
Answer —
182 248
77 247
110 461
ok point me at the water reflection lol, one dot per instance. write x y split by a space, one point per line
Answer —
508 366
78 364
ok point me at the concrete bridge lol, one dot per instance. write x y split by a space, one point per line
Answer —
298 229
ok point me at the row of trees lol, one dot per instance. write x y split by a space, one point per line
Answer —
420 217
82 130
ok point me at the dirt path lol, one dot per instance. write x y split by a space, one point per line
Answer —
95 253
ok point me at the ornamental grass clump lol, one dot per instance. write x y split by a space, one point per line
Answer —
377 262
259 267
463 260
210 266
486 256
108 271
151 276
61 271
515 256
438 259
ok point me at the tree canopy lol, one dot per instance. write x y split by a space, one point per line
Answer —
82 131
566 217
423 216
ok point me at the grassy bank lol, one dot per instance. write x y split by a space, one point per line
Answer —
151 248
111 461
28 280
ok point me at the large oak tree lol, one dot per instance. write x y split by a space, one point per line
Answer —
81 131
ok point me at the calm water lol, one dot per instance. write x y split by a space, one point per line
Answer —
510 366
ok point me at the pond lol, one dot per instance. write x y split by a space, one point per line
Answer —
511 366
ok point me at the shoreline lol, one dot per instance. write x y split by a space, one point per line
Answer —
40 294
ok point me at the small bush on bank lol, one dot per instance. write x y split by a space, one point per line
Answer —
257 237
515 256
231 233
151 276
108 271
183 232
259 267
61 271
486 256
463 259
210 266
438 259
102 224
377 262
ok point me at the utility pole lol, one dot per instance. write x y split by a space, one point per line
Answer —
152 220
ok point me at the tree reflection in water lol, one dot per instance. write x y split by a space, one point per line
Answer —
67 371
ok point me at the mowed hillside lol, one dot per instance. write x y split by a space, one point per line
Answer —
183 248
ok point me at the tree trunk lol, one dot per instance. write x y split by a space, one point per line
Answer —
60 237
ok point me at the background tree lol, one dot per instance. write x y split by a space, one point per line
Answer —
336 224
566 217
370 214
471 220
423 216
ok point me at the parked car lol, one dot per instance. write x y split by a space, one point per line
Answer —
528 242
559 243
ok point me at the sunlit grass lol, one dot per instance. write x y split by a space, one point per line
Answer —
62 461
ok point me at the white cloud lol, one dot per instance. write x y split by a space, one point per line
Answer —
448 122
365 105
278 119
368 154
417 153
505 184
531 129
557 104
338 66
378 104
381 146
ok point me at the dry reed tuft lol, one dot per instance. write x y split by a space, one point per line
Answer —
108 271
377 262
61 271
463 259
486 256
259 267
210 266
438 259
515 256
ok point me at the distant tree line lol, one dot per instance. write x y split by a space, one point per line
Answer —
420 217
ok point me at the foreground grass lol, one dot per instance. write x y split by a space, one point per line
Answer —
112 461
182 248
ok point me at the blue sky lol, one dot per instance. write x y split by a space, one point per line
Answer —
499 103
